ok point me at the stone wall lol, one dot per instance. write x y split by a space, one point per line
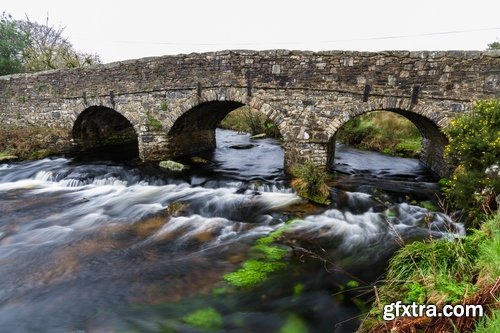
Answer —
308 95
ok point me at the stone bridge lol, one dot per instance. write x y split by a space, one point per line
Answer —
172 104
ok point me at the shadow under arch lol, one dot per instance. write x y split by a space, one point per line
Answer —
100 129
434 140
194 131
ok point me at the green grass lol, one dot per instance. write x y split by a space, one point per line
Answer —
442 271
489 324
309 181
382 131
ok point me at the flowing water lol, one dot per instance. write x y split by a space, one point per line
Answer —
118 247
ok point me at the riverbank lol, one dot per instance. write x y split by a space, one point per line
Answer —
385 132
443 272
32 142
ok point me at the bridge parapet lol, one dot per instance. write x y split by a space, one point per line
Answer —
309 95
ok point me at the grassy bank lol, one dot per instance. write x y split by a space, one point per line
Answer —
248 120
462 270
384 132
439 272
31 142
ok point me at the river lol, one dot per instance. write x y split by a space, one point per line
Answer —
108 246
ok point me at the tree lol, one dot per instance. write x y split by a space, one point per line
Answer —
12 42
494 46
49 49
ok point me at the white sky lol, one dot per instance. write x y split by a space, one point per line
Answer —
119 30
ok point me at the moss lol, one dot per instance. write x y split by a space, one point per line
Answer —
298 289
353 284
207 319
294 324
163 106
253 273
268 260
154 123
428 205
271 252
22 99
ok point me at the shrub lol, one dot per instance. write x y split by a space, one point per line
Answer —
309 182
474 148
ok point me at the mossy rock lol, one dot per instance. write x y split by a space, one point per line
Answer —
172 165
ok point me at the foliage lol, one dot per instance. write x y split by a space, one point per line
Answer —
494 46
207 319
49 49
27 46
248 120
309 182
12 42
435 270
442 271
382 131
489 251
475 148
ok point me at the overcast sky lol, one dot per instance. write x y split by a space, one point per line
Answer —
119 30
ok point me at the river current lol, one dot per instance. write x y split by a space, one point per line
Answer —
106 246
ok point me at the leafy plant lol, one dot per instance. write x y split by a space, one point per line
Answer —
475 148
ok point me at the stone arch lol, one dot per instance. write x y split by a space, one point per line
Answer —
191 128
99 126
428 122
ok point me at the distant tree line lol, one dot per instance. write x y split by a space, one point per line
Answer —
28 46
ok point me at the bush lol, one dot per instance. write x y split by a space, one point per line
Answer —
309 182
474 148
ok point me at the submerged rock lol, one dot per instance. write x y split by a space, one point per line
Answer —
258 136
243 146
172 165
201 160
